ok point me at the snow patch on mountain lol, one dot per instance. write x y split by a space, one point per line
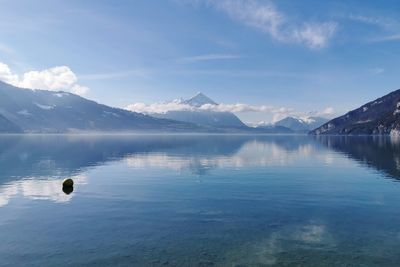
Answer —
45 107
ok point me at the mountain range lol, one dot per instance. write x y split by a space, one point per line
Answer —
40 111
381 116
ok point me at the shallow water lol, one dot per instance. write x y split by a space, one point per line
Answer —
200 201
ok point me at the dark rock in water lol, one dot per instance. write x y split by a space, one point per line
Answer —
68 189
68 183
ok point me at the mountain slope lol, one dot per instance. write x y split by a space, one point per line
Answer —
40 111
381 116
203 117
301 125
7 126
207 118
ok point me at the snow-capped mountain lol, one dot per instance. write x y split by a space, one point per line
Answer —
199 100
40 111
200 116
305 124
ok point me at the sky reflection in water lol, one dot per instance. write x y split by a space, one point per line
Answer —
200 200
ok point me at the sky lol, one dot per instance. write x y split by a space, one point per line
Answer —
261 59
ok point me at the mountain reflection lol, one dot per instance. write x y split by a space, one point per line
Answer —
35 166
63 156
249 152
379 152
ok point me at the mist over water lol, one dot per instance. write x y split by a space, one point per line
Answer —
192 200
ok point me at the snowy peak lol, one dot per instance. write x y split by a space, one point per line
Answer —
199 99
301 124
203 117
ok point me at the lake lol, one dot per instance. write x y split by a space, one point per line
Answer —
186 200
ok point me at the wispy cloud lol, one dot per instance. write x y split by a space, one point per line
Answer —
387 38
56 78
389 27
377 71
243 73
208 57
265 17
315 35
387 23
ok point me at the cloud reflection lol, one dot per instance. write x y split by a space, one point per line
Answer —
251 154
43 189
289 238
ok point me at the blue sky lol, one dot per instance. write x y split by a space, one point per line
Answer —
293 56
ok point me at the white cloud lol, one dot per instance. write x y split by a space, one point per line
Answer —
265 17
328 111
79 89
159 108
54 79
6 75
208 57
239 107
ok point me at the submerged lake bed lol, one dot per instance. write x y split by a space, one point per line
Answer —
187 200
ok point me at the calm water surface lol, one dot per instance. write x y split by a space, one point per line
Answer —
200 201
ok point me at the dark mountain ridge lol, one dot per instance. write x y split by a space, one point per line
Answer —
378 117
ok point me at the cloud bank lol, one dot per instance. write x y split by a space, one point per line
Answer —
178 105
277 113
53 79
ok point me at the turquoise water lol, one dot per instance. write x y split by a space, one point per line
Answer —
200 201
